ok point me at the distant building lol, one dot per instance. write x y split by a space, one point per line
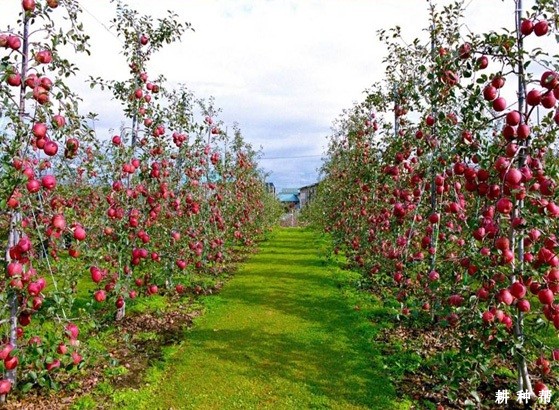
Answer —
307 194
270 188
289 197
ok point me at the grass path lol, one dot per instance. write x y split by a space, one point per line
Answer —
281 335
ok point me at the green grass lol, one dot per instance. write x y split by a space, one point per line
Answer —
283 334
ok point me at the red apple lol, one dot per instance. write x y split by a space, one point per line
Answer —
58 121
518 290
72 331
523 131
76 358
50 148
523 305
541 28
48 182
14 79
526 27
11 362
482 62
513 118
14 42
43 57
119 303
498 81
465 51
100 295
33 186
545 296
548 100
39 130
549 80
79 233
55 364
533 97
5 387
487 317
499 104
62 348
504 206
28 5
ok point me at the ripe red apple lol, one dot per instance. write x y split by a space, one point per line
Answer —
11 362
498 81
504 206
465 51
34 288
523 305
144 39
79 233
96 274
28 5
5 387
548 100
62 348
100 295
513 118
499 104
549 80
434 276
119 303
76 358
14 42
50 366
518 290
14 269
533 97
33 186
526 27
72 331
541 28
116 140
489 93
523 131
48 182
39 130
539 386
50 148
46 83
5 351
513 177
14 79
58 121
509 132
487 317
43 57
482 62
545 296
41 95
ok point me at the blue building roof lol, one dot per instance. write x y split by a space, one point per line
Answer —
288 198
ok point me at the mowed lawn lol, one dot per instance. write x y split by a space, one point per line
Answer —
280 335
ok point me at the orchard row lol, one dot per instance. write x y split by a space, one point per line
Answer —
442 188
146 210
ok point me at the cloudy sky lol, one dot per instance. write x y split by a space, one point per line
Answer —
282 69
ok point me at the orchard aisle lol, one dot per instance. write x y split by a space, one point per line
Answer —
281 335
